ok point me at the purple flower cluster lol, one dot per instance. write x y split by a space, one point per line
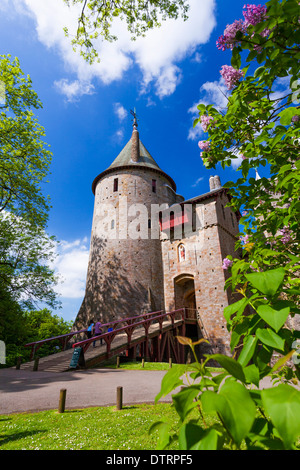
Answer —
204 145
254 14
295 118
231 75
286 235
227 40
227 263
245 239
205 121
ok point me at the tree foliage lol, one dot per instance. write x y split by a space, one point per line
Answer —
96 18
25 248
19 327
262 129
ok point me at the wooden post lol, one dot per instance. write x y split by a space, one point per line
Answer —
119 398
36 363
62 400
170 362
118 362
19 361
143 363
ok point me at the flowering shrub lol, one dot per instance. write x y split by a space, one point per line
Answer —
227 263
205 122
231 75
265 282
228 39
254 14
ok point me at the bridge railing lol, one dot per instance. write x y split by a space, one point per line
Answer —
63 339
140 321
130 324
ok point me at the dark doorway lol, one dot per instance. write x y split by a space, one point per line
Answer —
184 289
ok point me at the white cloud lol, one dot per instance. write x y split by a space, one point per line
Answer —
120 111
197 181
157 54
214 93
74 90
71 266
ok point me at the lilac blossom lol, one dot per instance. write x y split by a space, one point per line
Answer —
254 14
227 40
231 75
295 118
205 121
286 235
227 263
245 239
204 145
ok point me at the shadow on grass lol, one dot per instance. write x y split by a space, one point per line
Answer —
20 435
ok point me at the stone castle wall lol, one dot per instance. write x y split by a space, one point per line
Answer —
125 274
205 249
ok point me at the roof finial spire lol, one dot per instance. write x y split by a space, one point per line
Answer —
135 120
135 140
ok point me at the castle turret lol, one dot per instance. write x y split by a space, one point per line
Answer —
125 273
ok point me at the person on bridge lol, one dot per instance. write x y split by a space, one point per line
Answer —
89 330
98 331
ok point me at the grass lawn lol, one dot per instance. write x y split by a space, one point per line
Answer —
136 365
101 428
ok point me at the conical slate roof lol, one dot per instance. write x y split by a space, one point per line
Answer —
124 161
124 157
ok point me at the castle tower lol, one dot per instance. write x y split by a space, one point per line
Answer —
192 259
125 274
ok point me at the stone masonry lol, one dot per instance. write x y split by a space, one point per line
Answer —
152 250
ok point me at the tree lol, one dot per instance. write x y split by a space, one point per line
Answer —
96 17
260 128
18 327
25 248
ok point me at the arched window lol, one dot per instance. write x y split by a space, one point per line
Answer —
181 252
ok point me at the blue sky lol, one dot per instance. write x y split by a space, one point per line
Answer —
86 109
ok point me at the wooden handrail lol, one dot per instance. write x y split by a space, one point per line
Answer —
109 336
131 321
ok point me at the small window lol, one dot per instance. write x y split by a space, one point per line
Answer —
112 224
181 252
154 186
116 184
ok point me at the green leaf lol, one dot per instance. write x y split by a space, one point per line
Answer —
184 401
282 404
252 374
270 338
235 307
234 406
267 282
275 318
163 429
171 380
259 71
193 437
247 351
229 364
286 116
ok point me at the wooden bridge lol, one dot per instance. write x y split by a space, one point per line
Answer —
150 336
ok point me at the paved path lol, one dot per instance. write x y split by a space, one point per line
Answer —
22 391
